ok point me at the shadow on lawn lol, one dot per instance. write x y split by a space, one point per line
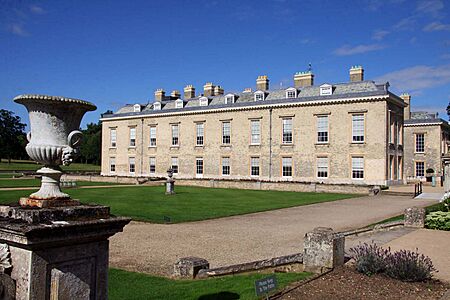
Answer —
220 296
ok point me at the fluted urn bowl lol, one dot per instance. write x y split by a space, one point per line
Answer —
54 138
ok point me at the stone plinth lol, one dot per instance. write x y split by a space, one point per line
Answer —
170 187
323 250
59 253
415 217
188 267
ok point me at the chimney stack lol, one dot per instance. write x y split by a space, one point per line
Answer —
407 110
159 95
175 94
262 83
247 90
356 73
218 90
208 89
189 91
302 79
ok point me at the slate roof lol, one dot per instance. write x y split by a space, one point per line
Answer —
310 93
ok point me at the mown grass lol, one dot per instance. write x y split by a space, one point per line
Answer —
28 165
149 203
135 286
32 182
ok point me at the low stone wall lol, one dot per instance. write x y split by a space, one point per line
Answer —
112 179
278 186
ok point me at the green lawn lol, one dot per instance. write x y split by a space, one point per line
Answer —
149 203
28 165
129 285
8 175
6 183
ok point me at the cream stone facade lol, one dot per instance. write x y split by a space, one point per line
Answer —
426 142
349 133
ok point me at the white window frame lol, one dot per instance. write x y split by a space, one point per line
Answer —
287 131
254 166
203 101
416 169
178 103
132 165
199 166
132 133
287 169
175 129
291 93
152 162
419 142
137 108
326 90
113 137
152 136
112 165
226 168
358 168
323 134
174 165
358 128
255 132
322 167
226 133
229 99
200 134
259 96
157 106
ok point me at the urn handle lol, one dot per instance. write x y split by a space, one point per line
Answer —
29 136
74 138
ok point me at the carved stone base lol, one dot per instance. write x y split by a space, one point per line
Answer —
50 188
45 203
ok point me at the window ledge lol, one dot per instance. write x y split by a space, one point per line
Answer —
112 148
199 146
131 147
152 146
287 145
322 144
255 145
357 143
225 146
174 147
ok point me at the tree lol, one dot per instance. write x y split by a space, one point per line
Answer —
90 150
12 136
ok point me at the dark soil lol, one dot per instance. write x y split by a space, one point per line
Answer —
347 283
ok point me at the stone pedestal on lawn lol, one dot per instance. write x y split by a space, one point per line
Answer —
446 162
170 183
188 267
323 250
415 217
58 253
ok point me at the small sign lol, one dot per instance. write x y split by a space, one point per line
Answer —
166 219
266 285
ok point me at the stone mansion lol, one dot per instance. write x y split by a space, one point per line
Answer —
345 133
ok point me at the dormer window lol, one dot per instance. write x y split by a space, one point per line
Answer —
291 93
259 96
157 106
203 101
229 99
326 89
178 103
137 108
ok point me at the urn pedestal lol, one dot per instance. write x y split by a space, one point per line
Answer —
54 140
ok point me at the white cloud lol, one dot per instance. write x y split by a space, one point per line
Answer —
378 35
37 9
436 26
17 29
358 49
432 7
405 24
417 78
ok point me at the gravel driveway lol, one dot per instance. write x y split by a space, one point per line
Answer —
154 248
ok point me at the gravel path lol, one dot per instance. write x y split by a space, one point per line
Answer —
153 248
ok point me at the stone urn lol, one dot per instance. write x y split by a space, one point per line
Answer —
54 140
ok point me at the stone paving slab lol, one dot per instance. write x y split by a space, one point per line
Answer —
432 243
434 196
154 248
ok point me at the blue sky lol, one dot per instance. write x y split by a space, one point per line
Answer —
117 52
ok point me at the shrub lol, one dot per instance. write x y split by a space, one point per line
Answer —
438 220
409 266
369 259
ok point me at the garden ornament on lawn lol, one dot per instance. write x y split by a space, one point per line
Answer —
54 140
